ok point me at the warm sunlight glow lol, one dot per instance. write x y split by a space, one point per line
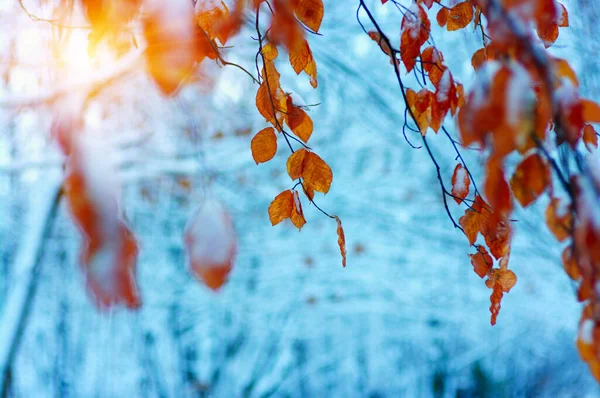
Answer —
74 56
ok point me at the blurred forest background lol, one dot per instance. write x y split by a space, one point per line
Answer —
407 317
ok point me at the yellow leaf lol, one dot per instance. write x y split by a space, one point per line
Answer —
269 51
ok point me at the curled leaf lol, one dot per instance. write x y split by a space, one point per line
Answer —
341 240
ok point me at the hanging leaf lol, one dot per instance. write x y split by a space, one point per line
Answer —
309 12
171 36
341 240
211 243
264 145
297 216
281 207
531 178
460 16
482 262
460 183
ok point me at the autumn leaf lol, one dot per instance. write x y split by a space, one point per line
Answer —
474 219
420 107
590 137
264 145
570 263
433 64
559 219
281 207
591 111
298 120
530 180
460 16
316 172
297 216
497 234
482 262
496 188
211 243
442 16
309 166
295 163
269 51
309 12
377 38
210 14
460 183
501 281
415 32
341 240
171 36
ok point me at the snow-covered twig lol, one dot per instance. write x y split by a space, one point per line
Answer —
13 320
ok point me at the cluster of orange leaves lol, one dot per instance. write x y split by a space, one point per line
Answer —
510 111
289 22
179 35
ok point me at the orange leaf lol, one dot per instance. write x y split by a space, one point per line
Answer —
171 36
415 32
264 145
570 263
482 262
442 16
376 37
497 234
530 180
473 219
433 64
299 121
496 188
563 69
591 111
420 106
316 172
341 240
300 55
460 16
559 219
507 279
460 183
590 137
281 207
297 216
295 163
269 51
309 12
211 244
495 300
210 15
